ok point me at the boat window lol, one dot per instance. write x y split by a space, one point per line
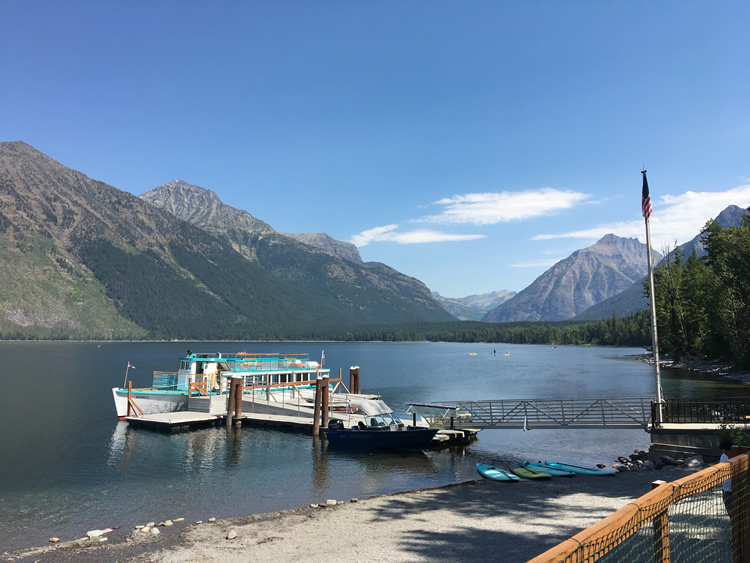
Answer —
377 421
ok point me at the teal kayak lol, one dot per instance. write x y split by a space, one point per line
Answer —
529 472
554 471
495 473
581 470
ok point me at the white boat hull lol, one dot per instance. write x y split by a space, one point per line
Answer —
150 402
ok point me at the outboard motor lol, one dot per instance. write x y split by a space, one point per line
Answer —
335 424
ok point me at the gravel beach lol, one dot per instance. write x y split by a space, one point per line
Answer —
474 520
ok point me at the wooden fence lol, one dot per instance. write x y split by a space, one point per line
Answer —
684 520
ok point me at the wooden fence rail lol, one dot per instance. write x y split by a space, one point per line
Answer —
655 511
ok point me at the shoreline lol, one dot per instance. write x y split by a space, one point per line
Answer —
720 370
463 521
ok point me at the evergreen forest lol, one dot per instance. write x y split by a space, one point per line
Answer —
703 303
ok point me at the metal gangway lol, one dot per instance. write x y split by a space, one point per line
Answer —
538 413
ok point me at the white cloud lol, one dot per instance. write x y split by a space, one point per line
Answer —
418 236
676 218
376 234
492 208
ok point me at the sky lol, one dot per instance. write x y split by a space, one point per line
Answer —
470 145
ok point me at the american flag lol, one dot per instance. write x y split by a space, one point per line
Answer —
645 198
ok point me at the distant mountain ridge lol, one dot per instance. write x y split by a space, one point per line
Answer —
473 307
82 259
632 299
345 250
572 285
388 295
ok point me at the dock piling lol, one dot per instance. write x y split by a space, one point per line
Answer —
238 402
230 401
324 402
316 410
354 379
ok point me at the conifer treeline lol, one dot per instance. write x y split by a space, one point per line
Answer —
703 303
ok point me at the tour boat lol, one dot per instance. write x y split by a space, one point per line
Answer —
264 376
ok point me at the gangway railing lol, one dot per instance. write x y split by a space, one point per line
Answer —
538 413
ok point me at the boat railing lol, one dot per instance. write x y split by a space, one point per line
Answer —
164 381
200 387
265 393
273 364
250 384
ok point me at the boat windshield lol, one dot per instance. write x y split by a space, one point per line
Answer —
383 420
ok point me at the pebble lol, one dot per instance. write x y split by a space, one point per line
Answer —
212 519
155 531
54 540
168 523
231 535
94 533
331 502
178 520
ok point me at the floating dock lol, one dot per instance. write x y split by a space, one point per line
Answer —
182 421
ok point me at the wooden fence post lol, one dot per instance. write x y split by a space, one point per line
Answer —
661 531
739 514
130 391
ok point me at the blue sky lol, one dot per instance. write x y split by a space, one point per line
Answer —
468 144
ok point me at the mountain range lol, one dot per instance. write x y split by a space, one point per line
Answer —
574 284
86 260
473 307
83 259
632 299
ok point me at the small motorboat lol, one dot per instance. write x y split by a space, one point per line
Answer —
381 429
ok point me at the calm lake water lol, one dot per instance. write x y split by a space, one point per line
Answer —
68 466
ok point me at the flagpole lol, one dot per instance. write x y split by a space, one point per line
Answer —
646 207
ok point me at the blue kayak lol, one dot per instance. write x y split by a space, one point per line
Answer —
554 471
496 473
580 470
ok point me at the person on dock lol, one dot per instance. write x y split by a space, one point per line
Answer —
726 488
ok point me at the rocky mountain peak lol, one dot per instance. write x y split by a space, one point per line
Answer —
345 250
202 208
586 277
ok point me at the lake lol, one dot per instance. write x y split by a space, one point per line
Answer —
68 466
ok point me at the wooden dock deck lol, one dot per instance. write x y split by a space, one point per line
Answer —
177 421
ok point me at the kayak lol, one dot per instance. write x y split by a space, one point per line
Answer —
581 470
529 472
554 471
495 473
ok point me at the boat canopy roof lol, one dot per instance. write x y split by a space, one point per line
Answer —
371 407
